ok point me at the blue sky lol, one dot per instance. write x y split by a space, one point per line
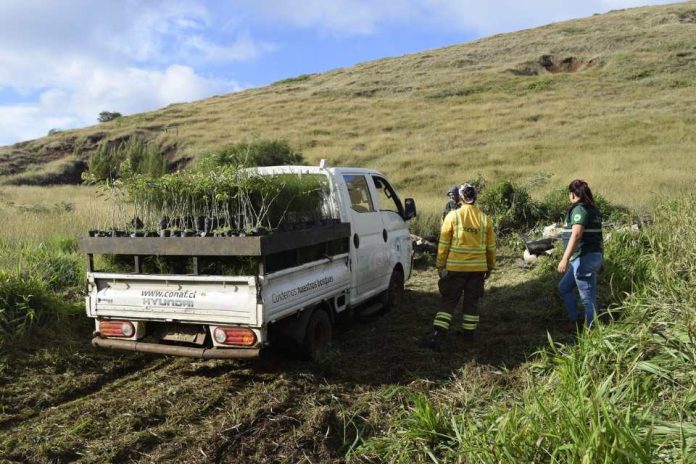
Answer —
62 62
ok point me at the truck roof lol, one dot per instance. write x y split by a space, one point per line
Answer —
315 170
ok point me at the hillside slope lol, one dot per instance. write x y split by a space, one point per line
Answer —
610 98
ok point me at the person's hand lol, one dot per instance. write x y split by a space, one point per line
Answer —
442 273
563 266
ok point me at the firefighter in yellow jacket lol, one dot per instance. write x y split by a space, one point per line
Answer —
465 258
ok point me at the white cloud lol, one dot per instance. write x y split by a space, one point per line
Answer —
126 91
198 48
23 122
67 61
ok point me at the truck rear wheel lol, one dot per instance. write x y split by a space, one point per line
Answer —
393 296
317 335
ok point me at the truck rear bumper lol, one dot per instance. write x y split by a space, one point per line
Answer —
203 353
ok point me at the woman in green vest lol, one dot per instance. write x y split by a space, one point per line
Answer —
583 256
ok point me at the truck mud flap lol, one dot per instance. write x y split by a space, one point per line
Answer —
156 348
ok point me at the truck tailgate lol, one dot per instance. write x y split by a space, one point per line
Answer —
205 299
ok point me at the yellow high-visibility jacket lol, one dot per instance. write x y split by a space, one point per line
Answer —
467 241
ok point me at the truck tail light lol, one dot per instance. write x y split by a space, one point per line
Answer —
234 336
116 329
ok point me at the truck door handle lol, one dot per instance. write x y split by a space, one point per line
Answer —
384 235
356 241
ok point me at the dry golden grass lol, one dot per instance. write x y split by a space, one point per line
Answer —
40 213
624 121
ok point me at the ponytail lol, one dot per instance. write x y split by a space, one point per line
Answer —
582 191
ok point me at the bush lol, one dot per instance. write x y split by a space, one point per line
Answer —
134 156
24 303
41 287
263 152
106 116
102 165
57 266
510 206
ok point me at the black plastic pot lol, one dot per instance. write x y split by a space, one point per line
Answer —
188 233
258 231
136 223
93 233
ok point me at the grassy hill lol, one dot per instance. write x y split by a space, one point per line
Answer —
610 98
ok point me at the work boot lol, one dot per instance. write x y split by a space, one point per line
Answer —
436 340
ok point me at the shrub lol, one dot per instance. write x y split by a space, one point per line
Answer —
24 302
102 165
134 156
510 206
56 265
40 287
263 152
106 116
140 157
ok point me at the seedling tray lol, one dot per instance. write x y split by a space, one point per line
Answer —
214 246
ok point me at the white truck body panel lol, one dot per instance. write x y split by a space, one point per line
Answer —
285 292
209 299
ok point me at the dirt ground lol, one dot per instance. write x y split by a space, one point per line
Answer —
64 401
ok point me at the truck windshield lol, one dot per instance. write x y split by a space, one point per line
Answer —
388 200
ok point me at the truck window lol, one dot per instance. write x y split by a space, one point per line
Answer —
359 192
388 200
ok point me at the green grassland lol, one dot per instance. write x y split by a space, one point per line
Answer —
528 390
608 98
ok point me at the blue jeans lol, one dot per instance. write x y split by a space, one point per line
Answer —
582 274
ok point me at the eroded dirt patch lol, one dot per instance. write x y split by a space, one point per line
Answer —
569 64
554 64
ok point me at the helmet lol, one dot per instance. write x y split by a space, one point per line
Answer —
453 191
468 191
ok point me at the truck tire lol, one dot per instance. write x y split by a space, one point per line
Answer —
393 296
317 335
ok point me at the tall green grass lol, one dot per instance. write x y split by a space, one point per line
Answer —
626 392
40 282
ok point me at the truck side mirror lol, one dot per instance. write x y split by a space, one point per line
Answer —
409 209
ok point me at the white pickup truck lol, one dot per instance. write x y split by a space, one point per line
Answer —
304 278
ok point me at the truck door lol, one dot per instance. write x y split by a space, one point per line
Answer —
368 252
398 237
